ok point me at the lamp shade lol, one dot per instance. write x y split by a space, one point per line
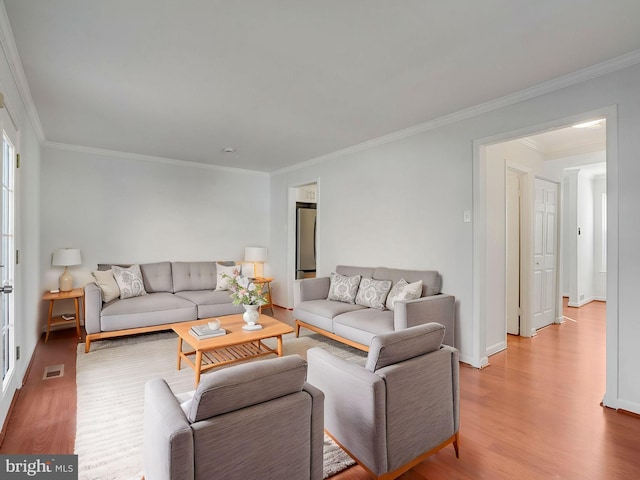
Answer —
255 254
64 257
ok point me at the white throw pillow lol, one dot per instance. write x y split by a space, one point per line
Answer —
404 291
222 283
129 281
344 289
107 283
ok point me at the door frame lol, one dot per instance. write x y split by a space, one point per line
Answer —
290 277
478 355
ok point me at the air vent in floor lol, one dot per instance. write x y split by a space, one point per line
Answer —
53 371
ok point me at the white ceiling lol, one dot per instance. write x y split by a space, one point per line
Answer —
288 81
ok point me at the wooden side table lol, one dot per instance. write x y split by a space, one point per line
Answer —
76 294
266 281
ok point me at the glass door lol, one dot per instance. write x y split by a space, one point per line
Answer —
7 257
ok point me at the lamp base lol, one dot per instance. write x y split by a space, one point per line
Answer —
66 281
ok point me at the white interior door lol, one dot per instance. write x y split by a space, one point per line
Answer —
544 253
513 252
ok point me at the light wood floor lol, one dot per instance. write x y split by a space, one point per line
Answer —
534 413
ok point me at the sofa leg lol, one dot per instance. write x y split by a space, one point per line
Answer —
455 444
297 329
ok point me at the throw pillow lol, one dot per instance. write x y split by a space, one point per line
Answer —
344 289
404 291
372 293
222 283
129 281
107 283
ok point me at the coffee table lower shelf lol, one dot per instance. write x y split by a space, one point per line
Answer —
222 356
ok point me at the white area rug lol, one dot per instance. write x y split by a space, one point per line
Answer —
111 380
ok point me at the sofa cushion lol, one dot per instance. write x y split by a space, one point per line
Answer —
108 287
157 277
343 288
193 276
404 291
148 310
362 325
373 293
401 345
129 281
248 384
431 279
348 271
206 297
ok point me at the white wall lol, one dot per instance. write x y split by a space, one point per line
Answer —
120 210
585 238
400 204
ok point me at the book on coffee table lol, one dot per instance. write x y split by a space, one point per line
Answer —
203 331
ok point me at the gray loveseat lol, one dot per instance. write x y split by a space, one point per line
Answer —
176 292
355 324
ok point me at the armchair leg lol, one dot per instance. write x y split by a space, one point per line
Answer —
456 440
297 329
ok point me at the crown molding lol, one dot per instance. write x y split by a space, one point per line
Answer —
575 78
148 158
8 45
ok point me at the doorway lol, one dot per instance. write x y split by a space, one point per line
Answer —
306 230
510 299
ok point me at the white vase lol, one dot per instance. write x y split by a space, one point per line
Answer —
251 314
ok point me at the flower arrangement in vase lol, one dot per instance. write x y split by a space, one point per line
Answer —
250 296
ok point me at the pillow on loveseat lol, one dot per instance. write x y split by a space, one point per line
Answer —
404 291
372 293
344 289
129 281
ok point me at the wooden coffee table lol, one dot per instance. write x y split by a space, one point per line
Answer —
235 346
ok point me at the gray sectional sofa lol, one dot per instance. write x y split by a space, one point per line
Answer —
355 324
176 292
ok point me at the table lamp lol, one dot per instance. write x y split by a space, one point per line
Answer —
65 257
257 255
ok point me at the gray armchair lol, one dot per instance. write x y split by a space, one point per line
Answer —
255 420
399 408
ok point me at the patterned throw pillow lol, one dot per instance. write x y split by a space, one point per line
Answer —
107 284
372 293
344 289
222 283
129 281
404 291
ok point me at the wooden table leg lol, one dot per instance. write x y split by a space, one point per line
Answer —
77 304
197 366
280 348
46 338
179 353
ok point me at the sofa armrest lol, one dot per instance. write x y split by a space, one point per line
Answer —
168 447
455 369
92 307
355 405
435 308
317 430
311 289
